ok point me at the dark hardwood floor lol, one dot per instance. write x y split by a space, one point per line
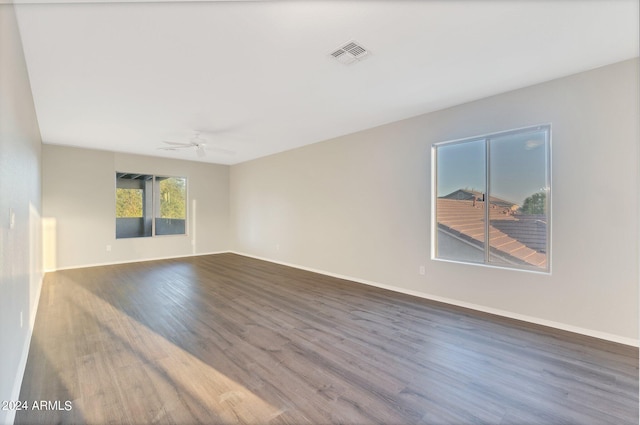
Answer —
224 339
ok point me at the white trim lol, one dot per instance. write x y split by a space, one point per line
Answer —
139 260
508 314
22 366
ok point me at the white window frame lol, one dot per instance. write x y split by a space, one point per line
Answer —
546 128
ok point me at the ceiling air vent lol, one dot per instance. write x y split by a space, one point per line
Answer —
350 52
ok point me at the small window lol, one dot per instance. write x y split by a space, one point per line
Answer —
148 205
492 199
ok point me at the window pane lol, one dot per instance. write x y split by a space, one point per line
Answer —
518 215
171 213
128 203
460 190
133 205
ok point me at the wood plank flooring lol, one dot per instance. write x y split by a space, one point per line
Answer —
224 339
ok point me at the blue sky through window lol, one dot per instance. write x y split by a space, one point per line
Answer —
517 161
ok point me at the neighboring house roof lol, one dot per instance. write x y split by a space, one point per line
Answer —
465 194
516 238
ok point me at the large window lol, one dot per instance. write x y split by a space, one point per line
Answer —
492 199
148 205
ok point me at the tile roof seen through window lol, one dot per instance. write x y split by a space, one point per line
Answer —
514 238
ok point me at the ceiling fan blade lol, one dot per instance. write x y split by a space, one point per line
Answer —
179 145
198 143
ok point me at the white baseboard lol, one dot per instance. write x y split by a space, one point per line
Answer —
535 320
22 366
139 260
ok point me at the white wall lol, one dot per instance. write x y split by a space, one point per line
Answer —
79 208
20 192
359 206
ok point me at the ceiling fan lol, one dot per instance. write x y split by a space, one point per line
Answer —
197 143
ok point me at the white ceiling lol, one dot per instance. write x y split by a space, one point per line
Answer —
257 78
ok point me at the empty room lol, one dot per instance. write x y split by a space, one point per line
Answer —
319 212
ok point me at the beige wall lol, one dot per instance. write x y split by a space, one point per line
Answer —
20 192
359 206
79 208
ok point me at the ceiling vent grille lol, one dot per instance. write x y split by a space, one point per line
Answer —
350 52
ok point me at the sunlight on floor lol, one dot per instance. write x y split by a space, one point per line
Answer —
129 367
